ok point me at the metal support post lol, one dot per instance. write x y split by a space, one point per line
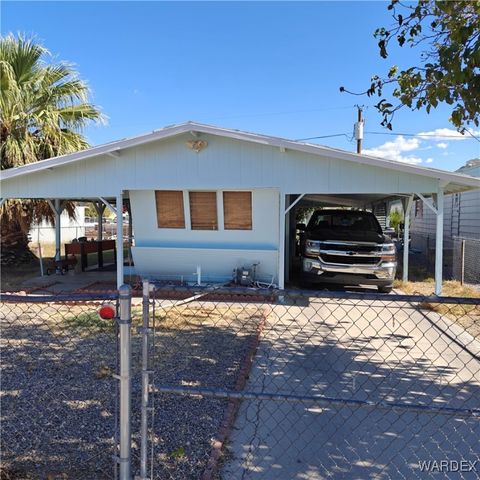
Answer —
125 321
407 205
145 381
439 243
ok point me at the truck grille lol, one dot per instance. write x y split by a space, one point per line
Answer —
346 253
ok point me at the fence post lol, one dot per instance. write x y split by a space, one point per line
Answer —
462 260
125 322
145 382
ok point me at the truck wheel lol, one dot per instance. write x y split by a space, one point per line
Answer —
385 289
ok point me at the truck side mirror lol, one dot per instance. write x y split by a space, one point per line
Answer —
301 226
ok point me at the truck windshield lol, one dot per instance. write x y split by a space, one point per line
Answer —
359 221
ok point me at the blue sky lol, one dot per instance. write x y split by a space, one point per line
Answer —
272 67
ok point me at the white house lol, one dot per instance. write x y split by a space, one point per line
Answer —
44 232
217 199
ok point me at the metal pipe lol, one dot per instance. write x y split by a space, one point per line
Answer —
119 240
58 239
406 236
145 382
125 321
281 246
318 400
439 243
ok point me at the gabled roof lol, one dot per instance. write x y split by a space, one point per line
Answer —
173 130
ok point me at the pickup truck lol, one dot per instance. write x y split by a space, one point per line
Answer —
346 247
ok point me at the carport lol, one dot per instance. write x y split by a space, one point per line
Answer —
379 204
275 173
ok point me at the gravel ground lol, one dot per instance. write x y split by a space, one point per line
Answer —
58 397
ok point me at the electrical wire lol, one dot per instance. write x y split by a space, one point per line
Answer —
433 135
323 136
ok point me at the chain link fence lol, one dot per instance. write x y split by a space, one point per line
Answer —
248 384
59 398
227 383
466 260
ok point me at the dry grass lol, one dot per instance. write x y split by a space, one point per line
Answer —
468 316
451 288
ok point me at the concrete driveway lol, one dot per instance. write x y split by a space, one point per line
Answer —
357 350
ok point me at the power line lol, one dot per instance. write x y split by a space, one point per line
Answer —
323 136
433 135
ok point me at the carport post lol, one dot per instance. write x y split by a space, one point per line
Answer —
119 211
56 206
407 205
439 242
281 245
100 209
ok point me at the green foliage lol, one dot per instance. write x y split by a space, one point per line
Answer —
303 214
43 106
43 109
396 218
447 33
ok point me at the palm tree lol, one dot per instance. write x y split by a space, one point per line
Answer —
43 110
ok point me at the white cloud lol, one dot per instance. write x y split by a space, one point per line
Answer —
395 149
443 145
429 160
440 134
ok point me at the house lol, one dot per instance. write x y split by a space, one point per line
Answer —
206 200
72 228
461 221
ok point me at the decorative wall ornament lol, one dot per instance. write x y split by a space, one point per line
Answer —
197 145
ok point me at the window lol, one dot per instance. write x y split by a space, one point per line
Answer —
237 210
170 213
203 210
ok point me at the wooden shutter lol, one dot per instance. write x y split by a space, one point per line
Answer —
203 210
170 212
237 210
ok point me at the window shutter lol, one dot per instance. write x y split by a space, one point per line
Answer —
203 210
170 212
237 210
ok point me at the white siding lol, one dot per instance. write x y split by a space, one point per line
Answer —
171 252
225 163
461 218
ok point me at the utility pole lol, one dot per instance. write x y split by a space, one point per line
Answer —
359 129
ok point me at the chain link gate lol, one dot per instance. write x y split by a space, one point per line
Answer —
248 384
64 381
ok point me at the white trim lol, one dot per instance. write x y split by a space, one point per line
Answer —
174 130
428 203
407 203
119 240
294 203
281 243
186 210
220 212
439 243
108 205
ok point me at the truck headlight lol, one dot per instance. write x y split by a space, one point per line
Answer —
388 252
312 247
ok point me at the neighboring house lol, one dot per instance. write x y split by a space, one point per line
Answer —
206 200
44 232
461 220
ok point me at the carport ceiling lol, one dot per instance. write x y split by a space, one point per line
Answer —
357 200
